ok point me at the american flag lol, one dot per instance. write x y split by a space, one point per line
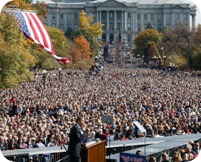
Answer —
34 29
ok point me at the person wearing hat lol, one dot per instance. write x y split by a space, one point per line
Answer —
74 147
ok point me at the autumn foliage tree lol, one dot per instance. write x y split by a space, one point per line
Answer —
87 23
83 45
15 58
21 4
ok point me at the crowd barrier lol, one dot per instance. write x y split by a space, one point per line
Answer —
148 146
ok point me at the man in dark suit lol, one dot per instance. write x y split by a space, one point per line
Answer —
74 147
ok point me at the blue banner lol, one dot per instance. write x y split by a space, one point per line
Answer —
126 157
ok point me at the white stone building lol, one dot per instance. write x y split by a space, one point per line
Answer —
127 17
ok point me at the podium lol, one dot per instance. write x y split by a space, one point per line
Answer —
94 153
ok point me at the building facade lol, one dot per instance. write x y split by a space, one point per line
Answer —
125 17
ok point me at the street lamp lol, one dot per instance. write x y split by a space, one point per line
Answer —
44 72
164 59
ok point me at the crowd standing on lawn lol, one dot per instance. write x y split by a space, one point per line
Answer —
166 103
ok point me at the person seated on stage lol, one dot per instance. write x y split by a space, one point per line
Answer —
152 159
138 153
185 157
165 157
149 130
123 137
196 148
99 134
176 157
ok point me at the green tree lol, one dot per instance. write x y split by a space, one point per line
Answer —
69 33
59 42
15 58
146 39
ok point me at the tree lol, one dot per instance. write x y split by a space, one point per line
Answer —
83 45
69 33
40 9
87 23
89 37
146 39
180 41
21 4
15 58
149 26
60 47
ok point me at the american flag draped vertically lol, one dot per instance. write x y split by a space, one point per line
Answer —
34 29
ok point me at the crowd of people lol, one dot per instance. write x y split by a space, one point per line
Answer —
42 112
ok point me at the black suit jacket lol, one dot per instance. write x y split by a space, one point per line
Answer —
74 147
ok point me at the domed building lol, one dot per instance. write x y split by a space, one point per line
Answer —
125 17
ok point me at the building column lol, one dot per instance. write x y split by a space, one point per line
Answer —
97 14
57 20
122 20
107 20
164 20
125 20
115 20
65 22
132 22
193 21
100 12
135 20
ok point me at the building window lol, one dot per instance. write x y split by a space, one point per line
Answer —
69 25
53 25
75 25
145 16
159 17
138 16
168 16
53 15
176 16
61 26
159 27
168 25
138 27
152 16
129 15
69 16
111 26
185 16
103 14
111 15
61 16
118 26
118 14
129 39
129 26
104 25
76 16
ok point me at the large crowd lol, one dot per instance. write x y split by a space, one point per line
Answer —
43 111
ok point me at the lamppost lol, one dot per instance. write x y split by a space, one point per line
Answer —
164 59
59 74
44 72
163 54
